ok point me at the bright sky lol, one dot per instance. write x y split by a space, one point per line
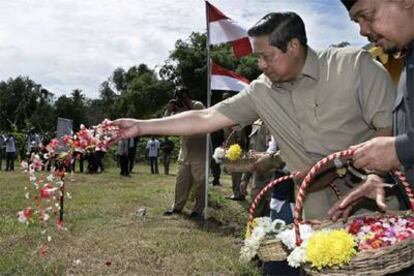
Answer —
69 44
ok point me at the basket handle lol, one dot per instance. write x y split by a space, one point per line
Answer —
226 142
271 184
300 198
263 191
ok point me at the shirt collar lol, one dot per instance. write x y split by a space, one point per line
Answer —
311 67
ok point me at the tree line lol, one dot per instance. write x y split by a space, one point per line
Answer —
138 92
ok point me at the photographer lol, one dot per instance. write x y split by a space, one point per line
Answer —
191 170
183 100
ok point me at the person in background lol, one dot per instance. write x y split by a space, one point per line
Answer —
132 152
170 108
2 144
390 25
10 152
153 147
122 152
167 147
91 157
235 135
258 142
44 142
217 140
191 164
99 153
33 141
77 155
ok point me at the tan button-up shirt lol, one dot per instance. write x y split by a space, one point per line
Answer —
341 98
193 148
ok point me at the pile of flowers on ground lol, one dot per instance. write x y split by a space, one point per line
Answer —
47 189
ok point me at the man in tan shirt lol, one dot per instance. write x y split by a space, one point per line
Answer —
191 169
313 102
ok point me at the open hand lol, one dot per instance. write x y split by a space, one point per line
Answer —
372 188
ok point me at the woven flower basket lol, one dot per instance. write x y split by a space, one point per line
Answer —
241 165
274 249
379 261
375 262
246 164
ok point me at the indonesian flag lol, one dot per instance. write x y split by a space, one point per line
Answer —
223 79
224 30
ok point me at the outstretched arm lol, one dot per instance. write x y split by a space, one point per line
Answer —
183 124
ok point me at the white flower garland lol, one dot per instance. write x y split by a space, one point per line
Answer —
263 227
219 154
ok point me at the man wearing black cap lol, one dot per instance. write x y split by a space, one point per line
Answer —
390 25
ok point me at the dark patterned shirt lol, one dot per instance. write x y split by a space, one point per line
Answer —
404 117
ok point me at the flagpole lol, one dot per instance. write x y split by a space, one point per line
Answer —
207 173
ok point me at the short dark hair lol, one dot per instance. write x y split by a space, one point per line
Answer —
181 91
348 3
282 27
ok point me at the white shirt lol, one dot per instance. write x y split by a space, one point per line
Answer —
153 147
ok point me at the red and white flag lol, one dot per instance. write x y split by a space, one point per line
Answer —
224 30
223 79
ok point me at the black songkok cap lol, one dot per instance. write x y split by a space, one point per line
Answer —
348 3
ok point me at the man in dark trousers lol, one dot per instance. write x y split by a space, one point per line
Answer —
122 152
10 152
132 152
2 143
217 139
167 147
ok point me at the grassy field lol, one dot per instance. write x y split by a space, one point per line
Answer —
107 235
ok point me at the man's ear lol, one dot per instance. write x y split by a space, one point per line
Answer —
293 47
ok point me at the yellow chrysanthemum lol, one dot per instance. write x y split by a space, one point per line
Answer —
330 248
234 152
250 226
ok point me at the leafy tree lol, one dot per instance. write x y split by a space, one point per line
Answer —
107 98
97 113
119 80
187 65
74 108
22 101
140 93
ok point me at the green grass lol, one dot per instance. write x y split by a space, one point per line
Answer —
105 235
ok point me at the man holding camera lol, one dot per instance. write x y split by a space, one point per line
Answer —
191 160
